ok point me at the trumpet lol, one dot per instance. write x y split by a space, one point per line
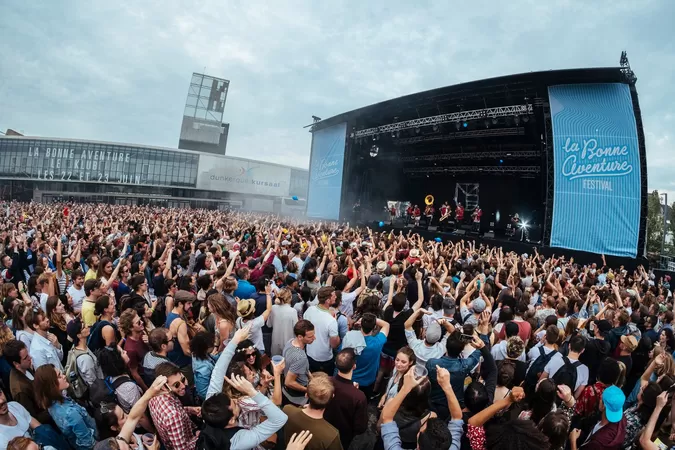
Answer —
429 199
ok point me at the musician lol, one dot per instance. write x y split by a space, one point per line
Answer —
459 212
515 220
476 215
429 213
409 212
392 213
417 215
445 209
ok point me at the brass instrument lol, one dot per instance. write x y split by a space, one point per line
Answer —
446 215
429 199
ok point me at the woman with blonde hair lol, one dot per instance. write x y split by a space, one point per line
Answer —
282 319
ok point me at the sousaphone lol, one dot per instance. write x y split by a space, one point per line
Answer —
429 200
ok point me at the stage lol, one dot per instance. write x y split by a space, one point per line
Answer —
509 245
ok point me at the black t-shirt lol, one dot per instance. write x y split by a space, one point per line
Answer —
158 286
396 338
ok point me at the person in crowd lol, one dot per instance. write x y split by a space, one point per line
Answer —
22 321
347 411
597 348
76 291
296 373
21 379
282 319
104 332
161 343
15 421
433 344
320 390
435 433
71 418
320 351
367 361
610 432
114 362
246 312
572 371
45 347
405 361
133 329
177 324
58 319
86 362
92 291
225 318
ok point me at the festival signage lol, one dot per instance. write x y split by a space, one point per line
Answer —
325 172
222 173
597 189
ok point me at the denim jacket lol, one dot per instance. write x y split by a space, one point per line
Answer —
202 369
75 423
459 369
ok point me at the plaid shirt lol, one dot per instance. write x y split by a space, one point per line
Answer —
174 427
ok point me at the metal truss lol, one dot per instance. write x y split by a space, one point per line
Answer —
500 111
476 155
513 131
469 169
550 175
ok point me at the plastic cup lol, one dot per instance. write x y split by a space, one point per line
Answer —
148 439
277 359
421 371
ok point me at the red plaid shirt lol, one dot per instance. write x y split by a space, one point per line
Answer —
589 400
174 427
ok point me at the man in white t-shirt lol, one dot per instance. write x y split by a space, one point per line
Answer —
76 291
577 345
432 346
550 339
11 413
320 352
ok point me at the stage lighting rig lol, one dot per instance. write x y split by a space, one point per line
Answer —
374 150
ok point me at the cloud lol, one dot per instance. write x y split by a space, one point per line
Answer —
120 71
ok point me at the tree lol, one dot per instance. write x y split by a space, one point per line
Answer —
654 223
670 230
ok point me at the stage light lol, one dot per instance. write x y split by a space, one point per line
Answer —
374 137
487 123
526 118
417 130
435 127
465 124
501 161
374 150
398 133
457 125
517 120
495 121
524 224
393 135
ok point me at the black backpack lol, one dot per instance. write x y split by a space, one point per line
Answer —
537 368
103 391
567 374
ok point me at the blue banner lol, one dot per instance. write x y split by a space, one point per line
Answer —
596 205
325 172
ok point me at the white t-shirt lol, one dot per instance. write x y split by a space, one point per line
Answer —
78 297
20 429
534 354
557 362
325 327
43 301
255 334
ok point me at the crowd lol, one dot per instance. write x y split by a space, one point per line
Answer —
145 328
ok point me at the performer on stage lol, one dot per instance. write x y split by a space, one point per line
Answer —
459 213
409 213
513 226
417 215
476 215
392 213
429 213
445 208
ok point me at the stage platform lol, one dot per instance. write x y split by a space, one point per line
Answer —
515 246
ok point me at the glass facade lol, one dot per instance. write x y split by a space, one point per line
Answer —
81 161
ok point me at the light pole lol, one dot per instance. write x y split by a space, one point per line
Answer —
665 222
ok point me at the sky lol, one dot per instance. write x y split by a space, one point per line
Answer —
119 71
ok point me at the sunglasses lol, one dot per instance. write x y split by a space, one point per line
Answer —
181 382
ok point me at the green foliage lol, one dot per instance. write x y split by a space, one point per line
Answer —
654 223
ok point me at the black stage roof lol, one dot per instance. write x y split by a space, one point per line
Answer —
491 92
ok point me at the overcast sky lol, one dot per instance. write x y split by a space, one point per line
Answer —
119 71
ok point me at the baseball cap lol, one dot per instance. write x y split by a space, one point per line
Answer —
245 307
630 342
433 333
74 328
449 307
479 305
613 399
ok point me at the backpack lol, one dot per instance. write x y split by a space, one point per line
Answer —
103 391
567 374
537 368
78 388
95 340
